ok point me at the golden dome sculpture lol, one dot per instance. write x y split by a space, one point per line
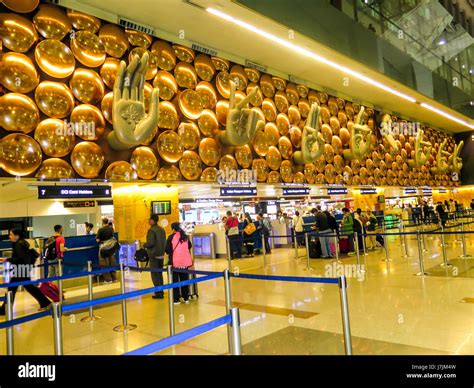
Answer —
273 158
120 171
220 64
286 171
55 58
54 99
283 124
20 154
253 75
186 75
190 104
165 55
184 53
88 122
281 101
168 115
269 109
285 147
209 174
170 146
190 165
18 113
237 74
21 6
208 123
166 84
138 38
109 70
204 67
88 48
210 151
266 85
260 166
17 73
87 86
106 106
17 32
190 135
87 159
114 39
55 168
55 137
207 93
145 162
52 22
83 21
243 155
169 174
292 94
227 162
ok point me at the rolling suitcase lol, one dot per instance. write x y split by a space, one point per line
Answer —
314 248
193 288
380 239
344 245
50 290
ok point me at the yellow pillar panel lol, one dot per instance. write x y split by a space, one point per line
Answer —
367 201
133 207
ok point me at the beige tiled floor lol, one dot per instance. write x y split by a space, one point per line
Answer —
391 310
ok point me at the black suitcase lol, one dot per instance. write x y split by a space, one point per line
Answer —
315 248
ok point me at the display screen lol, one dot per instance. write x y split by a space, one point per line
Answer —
368 191
161 207
381 199
338 191
295 191
237 191
66 192
272 209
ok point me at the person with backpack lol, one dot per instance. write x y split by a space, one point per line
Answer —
249 234
233 234
178 248
155 247
264 226
54 250
107 248
371 227
23 258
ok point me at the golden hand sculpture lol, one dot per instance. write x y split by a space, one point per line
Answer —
359 144
442 165
132 126
454 161
386 131
420 157
312 142
242 123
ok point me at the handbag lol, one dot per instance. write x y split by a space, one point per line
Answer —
250 228
141 255
109 247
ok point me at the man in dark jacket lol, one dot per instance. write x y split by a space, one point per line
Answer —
105 238
322 225
155 247
22 261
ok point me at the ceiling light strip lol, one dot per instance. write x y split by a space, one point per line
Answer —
447 115
330 63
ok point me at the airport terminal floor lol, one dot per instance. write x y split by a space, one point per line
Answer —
392 311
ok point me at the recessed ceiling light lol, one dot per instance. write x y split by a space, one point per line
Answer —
441 42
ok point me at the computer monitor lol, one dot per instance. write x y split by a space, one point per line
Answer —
161 207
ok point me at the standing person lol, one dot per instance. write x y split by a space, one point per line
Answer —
107 248
358 228
332 222
298 227
441 214
21 259
426 212
178 248
55 246
249 234
322 224
347 229
371 226
472 204
232 231
265 226
155 247
89 229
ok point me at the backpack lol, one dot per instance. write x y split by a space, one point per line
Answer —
49 251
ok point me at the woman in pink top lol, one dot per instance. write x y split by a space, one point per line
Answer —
178 249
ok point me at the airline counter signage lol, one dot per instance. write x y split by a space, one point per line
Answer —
295 191
368 191
237 191
337 191
427 192
66 192
410 190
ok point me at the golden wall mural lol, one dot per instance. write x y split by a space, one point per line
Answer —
83 98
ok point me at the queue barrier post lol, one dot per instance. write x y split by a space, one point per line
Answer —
420 256
91 317
346 327
296 244
463 241
236 338
58 329
387 256
171 302
443 246
336 249
425 245
228 306
9 316
264 251
229 258
60 281
356 246
306 239
125 326
364 248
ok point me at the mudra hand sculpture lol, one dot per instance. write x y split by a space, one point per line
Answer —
312 142
386 131
420 157
132 126
242 123
454 161
359 144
